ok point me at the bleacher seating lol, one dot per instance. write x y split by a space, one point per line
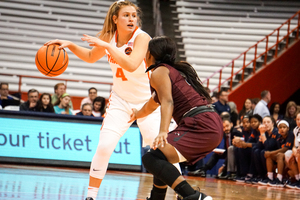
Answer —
214 32
27 25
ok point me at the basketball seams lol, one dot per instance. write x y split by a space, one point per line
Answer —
44 63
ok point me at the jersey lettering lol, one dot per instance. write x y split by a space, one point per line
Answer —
111 59
120 74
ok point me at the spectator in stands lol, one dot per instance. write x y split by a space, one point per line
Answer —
262 106
290 114
246 110
254 102
221 105
233 113
4 92
33 101
214 98
59 89
293 157
62 106
91 97
86 110
274 111
45 103
284 143
99 106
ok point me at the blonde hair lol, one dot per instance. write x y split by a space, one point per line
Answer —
290 104
109 27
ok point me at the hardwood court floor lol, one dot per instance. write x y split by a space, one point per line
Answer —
54 183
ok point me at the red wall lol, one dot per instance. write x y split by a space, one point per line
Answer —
281 77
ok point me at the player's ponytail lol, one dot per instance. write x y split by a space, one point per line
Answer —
164 50
109 27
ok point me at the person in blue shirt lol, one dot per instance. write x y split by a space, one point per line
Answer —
221 105
62 105
261 107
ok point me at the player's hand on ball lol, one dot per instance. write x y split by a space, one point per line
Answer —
160 140
93 41
133 115
62 43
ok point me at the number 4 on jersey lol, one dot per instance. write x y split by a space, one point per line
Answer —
120 74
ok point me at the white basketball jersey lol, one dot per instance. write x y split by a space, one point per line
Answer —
133 87
297 136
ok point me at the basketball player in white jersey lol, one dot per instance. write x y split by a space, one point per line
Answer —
125 45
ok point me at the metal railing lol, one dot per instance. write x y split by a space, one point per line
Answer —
256 54
53 78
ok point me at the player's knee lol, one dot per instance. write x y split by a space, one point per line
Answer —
280 156
151 156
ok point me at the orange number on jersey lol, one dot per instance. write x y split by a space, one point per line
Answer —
120 74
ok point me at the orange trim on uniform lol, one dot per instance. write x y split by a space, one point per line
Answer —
136 28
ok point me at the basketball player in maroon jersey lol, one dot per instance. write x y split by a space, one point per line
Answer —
178 90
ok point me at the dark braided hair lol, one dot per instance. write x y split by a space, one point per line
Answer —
164 50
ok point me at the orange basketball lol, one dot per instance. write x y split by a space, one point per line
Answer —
51 61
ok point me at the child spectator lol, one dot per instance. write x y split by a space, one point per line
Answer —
45 103
59 89
285 143
274 111
290 114
62 105
86 110
99 106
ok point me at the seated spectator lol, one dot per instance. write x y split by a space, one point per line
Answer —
62 106
99 106
214 98
221 105
254 102
91 97
45 103
284 143
274 111
262 106
245 133
267 142
86 110
59 89
246 110
290 114
4 93
292 158
33 101
233 113
244 151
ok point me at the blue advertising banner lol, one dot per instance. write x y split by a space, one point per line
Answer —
66 141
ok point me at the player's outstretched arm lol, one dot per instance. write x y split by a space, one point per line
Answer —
85 54
129 63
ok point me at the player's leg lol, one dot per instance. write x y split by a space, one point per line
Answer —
110 134
158 162
149 127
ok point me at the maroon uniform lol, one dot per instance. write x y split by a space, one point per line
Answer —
194 136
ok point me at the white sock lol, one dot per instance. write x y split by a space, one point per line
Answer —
270 175
297 177
92 192
279 176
